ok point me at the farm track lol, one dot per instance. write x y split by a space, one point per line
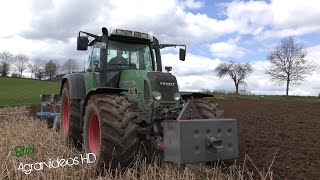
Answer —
289 129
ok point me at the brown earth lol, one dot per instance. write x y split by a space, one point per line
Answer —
288 131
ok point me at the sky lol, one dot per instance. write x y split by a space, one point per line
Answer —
214 31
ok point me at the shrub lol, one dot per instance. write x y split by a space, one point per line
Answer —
15 75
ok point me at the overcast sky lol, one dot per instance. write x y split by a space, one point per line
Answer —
214 32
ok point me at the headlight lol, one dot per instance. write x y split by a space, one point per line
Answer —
177 96
156 95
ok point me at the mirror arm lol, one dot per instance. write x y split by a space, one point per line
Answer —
89 34
161 46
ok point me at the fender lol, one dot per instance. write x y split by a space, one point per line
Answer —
102 90
76 85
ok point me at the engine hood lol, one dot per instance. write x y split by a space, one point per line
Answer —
164 83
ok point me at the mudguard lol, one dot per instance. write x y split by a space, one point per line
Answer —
102 90
76 85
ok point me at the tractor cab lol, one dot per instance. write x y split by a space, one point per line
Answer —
110 54
120 55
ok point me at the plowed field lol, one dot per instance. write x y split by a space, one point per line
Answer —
288 131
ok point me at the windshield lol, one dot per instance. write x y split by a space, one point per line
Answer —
138 56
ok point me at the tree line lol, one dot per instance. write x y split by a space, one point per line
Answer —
40 68
288 65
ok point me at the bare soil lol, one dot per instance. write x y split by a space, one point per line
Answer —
288 131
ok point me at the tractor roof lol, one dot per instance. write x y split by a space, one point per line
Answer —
127 34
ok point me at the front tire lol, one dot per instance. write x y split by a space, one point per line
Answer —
110 131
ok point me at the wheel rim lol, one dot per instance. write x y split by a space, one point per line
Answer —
66 115
94 134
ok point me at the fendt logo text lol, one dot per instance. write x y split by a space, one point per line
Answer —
167 84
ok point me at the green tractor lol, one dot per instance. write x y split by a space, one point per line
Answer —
124 99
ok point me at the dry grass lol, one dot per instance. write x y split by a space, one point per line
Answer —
16 128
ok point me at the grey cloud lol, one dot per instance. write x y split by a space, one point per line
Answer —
197 83
60 23
195 72
60 52
316 85
40 6
169 28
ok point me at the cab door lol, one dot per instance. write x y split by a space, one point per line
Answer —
92 69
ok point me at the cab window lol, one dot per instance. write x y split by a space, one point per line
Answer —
137 55
95 56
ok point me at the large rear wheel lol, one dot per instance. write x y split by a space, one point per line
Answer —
110 131
208 109
70 118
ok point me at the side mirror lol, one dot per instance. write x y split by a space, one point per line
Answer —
182 54
82 43
168 68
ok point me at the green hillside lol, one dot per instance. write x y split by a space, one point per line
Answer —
19 91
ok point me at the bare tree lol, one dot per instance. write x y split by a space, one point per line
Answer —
30 68
288 63
59 68
236 71
6 60
21 62
40 74
50 69
69 66
37 68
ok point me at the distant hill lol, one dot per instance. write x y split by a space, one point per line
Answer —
20 91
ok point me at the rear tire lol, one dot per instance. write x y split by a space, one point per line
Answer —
208 109
70 118
110 131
